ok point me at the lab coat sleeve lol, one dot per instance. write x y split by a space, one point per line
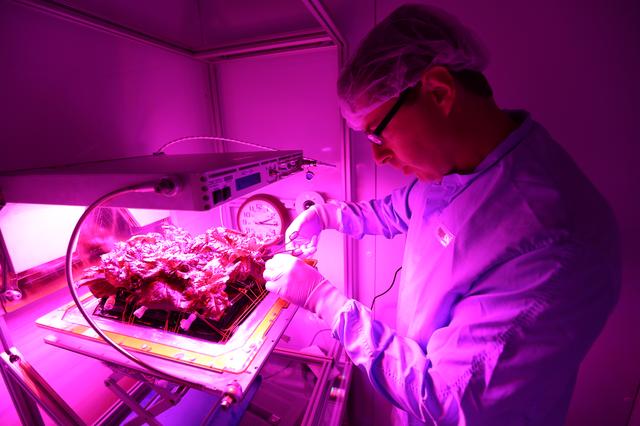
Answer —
388 216
523 320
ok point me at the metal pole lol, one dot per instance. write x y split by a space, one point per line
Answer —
25 405
38 389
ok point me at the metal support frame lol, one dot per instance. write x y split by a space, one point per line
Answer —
163 400
267 46
130 401
119 411
168 395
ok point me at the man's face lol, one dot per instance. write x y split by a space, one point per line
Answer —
415 140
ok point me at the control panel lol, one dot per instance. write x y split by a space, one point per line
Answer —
224 185
196 181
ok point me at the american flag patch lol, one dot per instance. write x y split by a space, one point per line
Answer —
444 235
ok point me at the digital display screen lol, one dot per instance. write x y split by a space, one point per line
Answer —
247 181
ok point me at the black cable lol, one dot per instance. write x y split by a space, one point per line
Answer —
305 161
156 186
210 138
373 302
317 334
278 372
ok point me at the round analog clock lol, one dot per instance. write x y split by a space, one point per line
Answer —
263 215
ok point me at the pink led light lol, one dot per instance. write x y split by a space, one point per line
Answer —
35 234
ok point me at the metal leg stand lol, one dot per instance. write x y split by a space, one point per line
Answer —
143 414
167 395
25 405
19 374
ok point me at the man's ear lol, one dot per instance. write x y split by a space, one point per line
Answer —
439 84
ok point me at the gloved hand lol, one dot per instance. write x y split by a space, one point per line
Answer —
295 281
301 237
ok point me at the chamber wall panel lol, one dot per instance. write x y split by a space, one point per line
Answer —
73 93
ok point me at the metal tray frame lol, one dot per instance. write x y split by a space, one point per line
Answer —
198 363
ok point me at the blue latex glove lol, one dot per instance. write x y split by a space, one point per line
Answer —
303 234
297 282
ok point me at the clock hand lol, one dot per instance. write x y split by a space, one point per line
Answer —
266 222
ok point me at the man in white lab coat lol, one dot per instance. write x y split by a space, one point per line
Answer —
511 262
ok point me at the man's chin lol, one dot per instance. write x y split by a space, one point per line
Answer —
421 175
426 176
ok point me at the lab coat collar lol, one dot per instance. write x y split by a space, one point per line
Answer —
454 183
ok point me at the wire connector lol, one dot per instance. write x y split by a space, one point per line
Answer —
167 186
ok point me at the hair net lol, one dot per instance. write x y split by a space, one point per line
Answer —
395 53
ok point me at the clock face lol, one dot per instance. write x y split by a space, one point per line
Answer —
263 215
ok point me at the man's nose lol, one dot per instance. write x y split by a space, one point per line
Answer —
381 154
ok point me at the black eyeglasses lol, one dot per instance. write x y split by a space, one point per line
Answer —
375 136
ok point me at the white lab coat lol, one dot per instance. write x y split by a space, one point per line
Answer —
508 276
